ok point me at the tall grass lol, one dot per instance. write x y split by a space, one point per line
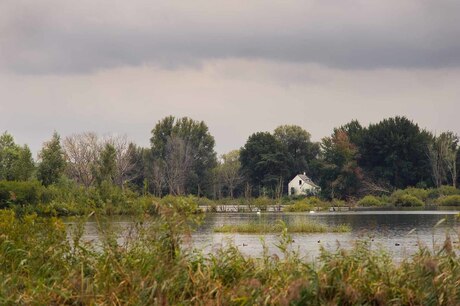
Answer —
41 265
298 227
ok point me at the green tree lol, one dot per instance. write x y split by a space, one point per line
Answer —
395 151
354 131
52 161
341 175
229 171
16 163
300 150
106 166
264 160
201 145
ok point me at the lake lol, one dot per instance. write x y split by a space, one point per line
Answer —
399 232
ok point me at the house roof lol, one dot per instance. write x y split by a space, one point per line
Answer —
307 179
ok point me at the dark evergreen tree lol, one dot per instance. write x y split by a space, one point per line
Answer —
300 150
52 161
395 151
264 160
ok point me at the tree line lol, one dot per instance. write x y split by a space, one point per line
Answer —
353 161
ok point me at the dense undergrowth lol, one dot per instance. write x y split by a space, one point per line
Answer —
40 264
67 198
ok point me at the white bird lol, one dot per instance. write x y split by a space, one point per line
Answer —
258 212
312 211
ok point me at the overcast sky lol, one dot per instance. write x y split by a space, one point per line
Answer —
242 66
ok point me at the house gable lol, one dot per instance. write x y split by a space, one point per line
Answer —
302 184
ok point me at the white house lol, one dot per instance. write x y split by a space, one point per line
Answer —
302 185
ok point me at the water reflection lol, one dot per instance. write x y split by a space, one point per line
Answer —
398 232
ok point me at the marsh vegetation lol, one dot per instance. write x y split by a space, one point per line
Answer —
155 265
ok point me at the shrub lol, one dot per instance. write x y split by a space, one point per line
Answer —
209 204
337 203
443 191
421 194
407 200
20 193
180 204
297 206
316 202
451 200
370 201
262 203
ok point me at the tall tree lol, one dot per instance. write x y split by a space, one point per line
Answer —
125 159
354 131
82 153
300 150
200 142
449 143
263 160
138 177
52 161
341 175
16 163
230 171
106 165
178 162
394 150
437 151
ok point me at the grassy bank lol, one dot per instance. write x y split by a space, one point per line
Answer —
40 265
67 198
300 227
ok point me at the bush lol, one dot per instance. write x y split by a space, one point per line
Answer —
338 203
407 200
451 200
443 191
297 206
315 202
262 203
180 204
421 194
370 201
14 193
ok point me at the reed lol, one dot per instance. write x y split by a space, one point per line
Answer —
40 264
263 228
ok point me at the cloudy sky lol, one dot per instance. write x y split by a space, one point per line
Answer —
241 66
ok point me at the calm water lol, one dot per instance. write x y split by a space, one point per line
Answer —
399 232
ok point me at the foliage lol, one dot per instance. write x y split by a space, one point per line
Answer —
228 172
442 152
262 203
419 193
263 160
196 135
154 266
394 150
298 206
299 227
66 198
443 191
370 201
106 167
14 193
52 164
407 200
451 200
300 150
16 163
341 176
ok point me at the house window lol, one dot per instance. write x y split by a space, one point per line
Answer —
300 182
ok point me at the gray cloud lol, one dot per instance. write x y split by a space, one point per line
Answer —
234 97
67 37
